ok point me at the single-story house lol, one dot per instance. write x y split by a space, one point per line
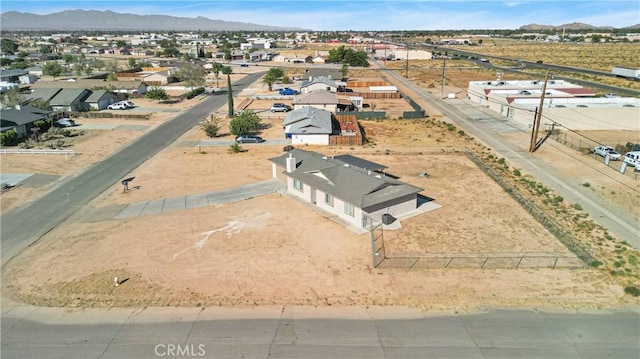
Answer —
20 119
351 188
63 99
17 76
160 78
308 126
130 87
332 74
321 99
100 99
34 70
319 83
318 60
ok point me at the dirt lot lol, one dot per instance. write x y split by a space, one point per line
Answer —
261 251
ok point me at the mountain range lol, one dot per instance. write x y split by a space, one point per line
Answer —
88 20
573 26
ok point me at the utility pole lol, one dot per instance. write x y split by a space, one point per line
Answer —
444 66
538 117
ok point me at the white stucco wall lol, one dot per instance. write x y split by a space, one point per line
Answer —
310 139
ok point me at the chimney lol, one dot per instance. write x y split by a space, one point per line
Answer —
291 163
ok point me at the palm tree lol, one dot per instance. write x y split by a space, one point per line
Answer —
216 70
227 70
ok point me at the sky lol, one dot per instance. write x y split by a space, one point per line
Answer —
362 15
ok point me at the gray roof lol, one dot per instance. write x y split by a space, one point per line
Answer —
359 162
317 72
318 97
96 95
12 73
319 80
26 114
87 84
358 186
43 93
309 120
68 96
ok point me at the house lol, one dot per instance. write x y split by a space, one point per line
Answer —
353 189
62 99
318 60
17 76
332 74
308 126
100 99
160 78
129 87
21 118
322 99
319 83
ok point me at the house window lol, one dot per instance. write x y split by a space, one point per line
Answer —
348 208
328 199
297 185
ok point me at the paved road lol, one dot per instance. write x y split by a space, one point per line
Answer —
24 225
295 332
486 126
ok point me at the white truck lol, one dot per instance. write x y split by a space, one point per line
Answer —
632 158
626 72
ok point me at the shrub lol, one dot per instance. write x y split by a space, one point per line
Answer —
586 184
596 263
247 121
501 160
156 93
193 93
235 148
632 290
210 126
577 206
517 173
8 138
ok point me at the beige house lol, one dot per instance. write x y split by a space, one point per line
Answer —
322 99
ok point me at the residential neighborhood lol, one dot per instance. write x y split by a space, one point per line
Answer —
281 176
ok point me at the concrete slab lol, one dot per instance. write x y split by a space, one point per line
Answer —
96 126
197 201
153 207
174 204
14 178
131 210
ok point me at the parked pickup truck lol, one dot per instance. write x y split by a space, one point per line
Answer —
632 158
607 151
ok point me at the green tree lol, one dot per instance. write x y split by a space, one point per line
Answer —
10 98
344 70
52 69
46 49
216 70
68 58
121 43
228 71
131 62
247 121
272 76
348 56
98 64
192 75
8 46
157 93
171 52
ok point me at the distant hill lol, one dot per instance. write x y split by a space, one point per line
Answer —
108 20
571 26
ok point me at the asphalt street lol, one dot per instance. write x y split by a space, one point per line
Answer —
297 332
24 225
487 127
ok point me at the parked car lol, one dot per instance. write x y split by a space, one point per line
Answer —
611 95
249 139
607 151
287 91
64 122
280 107
129 104
539 62
117 106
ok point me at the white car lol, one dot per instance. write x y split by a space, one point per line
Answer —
117 106
607 151
129 104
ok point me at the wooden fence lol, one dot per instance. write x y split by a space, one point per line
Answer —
367 83
374 95
91 114
350 132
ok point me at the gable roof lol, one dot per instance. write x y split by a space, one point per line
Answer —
309 120
43 93
358 186
96 95
68 96
319 80
24 115
318 97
